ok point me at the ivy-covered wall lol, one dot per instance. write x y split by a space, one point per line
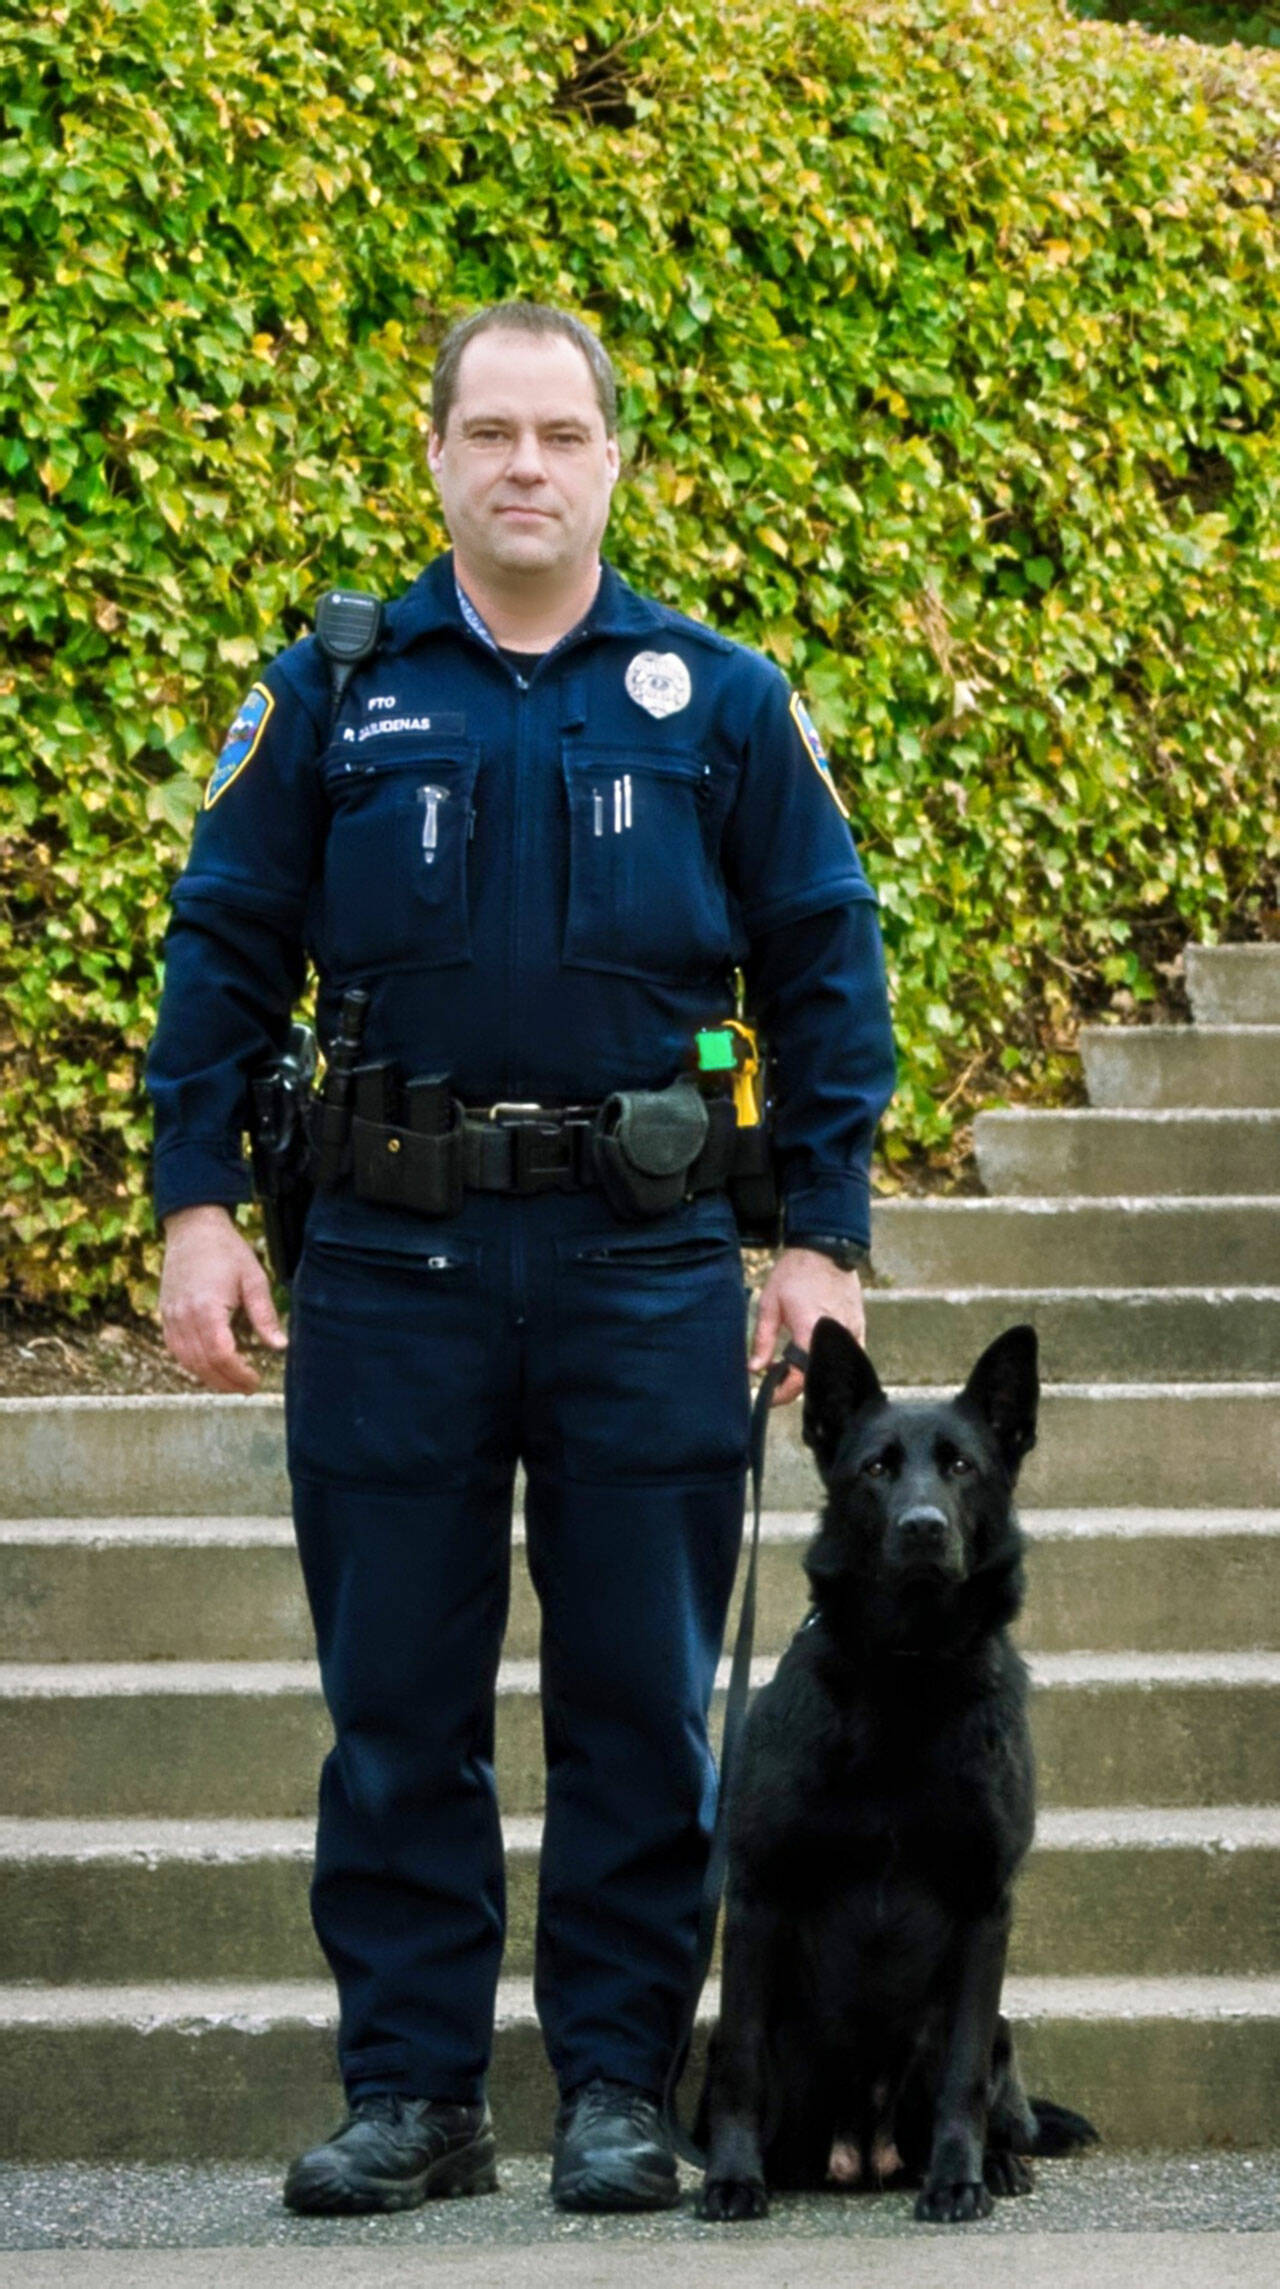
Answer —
950 340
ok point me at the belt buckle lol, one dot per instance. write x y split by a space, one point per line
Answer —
541 1151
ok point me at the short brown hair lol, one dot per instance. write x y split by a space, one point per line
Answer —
539 319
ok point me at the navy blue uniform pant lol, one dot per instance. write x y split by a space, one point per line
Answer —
609 1359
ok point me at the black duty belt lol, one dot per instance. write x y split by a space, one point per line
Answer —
523 1149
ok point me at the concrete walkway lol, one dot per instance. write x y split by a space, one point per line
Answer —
1113 2222
1069 2261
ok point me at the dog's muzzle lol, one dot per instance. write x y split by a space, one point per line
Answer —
925 1541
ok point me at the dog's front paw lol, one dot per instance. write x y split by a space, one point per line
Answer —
953 2201
725 2201
1008 2173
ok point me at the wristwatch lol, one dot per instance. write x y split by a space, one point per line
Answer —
846 1255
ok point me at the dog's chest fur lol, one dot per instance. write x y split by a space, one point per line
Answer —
901 1775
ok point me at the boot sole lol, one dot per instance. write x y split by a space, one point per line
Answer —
470 2170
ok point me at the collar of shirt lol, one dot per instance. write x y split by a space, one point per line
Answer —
437 601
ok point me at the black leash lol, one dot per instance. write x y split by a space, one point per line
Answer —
734 1716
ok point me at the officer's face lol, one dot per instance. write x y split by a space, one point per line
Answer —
525 467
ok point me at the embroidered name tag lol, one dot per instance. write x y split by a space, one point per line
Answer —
449 726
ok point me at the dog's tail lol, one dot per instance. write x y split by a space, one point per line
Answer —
1058 2130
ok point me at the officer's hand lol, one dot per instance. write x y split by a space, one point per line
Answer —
803 1288
210 1273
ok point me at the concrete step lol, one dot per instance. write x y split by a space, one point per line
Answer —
1234 985
1201 1065
1164 1445
1076 1241
1142 1154
182 1740
1228 1335
160 1455
120 2074
230 1589
1121 1891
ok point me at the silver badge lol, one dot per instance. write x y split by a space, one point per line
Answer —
659 683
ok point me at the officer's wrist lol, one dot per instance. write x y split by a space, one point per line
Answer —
846 1255
210 1213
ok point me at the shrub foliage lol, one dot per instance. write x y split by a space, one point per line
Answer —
950 341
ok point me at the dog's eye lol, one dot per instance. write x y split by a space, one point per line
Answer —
876 1468
959 1466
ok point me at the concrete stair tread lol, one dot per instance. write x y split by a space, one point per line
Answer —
1142 1116
68 1680
1220 1029
1097 1204
273 1406
123 1403
1013 1296
1139 1524
1122 1827
252 2004
775 1526
1157 1828
1252 1668
249 1533
1113 1394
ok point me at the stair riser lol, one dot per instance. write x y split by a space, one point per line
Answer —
155 1458
1079 1913
1148 1067
1234 985
1087 1244
123 2094
247 1754
1159 1449
68 1602
1039 1153
1122 1337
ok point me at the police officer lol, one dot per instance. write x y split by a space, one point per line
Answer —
548 822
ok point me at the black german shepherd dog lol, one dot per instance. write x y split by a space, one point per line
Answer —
883 1800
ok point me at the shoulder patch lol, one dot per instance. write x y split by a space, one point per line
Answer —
241 743
812 738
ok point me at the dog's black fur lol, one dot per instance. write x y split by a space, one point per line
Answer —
882 1804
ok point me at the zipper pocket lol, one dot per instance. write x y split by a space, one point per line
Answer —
657 1255
336 1253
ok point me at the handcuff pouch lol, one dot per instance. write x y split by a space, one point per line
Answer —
645 1142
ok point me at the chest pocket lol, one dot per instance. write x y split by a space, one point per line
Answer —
398 858
646 895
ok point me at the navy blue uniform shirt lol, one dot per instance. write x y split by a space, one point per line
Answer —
545 881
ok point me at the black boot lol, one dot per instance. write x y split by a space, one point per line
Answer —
612 2152
392 2153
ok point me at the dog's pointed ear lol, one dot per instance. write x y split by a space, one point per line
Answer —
1004 1389
839 1380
